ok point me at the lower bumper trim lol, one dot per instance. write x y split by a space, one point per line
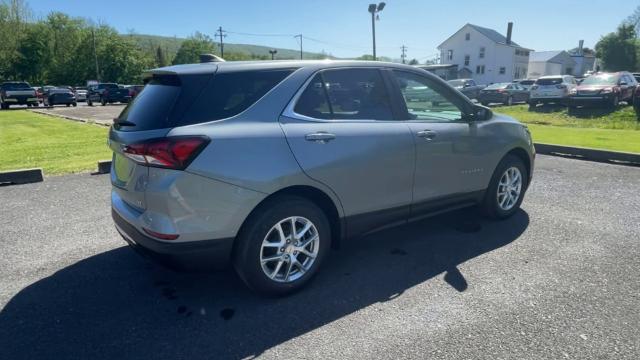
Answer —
192 255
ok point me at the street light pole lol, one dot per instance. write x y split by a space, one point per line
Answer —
374 9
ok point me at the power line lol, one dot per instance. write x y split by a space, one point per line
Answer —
254 34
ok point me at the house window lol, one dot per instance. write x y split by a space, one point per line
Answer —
467 36
480 69
503 70
450 55
482 53
467 58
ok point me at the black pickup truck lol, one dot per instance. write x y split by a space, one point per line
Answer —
17 93
107 93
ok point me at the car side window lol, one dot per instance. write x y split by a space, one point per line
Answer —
423 102
346 94
314 102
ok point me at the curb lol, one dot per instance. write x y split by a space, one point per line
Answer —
24 176
620 158
73 118
104 166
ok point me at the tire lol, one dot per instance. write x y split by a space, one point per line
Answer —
490 205
68 105
75 104
509 101
614 102
260 228
104 102
4 106
89 102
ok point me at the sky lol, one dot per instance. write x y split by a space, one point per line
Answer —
343 28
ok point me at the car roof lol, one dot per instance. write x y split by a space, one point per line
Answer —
233 66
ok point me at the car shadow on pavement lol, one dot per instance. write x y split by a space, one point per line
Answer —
591 112
117 305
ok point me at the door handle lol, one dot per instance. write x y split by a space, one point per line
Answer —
427 134
321 137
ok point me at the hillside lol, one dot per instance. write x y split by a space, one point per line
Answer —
171 45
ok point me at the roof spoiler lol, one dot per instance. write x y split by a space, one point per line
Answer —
207 58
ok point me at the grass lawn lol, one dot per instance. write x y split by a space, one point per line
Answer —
58 146
618 131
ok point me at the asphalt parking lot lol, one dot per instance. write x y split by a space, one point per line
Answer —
97 113
561 279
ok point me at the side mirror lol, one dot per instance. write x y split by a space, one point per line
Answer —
481 113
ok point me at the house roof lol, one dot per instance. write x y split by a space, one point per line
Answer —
555 56
490 34
493 35
544 55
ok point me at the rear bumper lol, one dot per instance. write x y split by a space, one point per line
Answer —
190 255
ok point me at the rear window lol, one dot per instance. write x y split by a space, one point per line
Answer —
526 82
497 86
108 86
550 81
151 108
16 86
170 101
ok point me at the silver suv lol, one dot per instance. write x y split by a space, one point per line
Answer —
268 165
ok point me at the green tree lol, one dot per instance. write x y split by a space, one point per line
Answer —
33 55
618 50
191 49
414 62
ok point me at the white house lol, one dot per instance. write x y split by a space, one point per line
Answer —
543 63
485 55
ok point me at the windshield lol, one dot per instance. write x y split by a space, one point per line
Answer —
603 79
497 86
549 81
455 83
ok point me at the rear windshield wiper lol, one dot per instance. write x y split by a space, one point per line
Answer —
123 122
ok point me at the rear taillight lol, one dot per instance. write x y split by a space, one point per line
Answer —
171 153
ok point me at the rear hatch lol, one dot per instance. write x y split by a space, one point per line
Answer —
149 116
549 87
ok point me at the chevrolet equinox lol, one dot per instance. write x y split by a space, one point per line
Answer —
268 165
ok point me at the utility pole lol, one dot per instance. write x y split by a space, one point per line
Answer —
273 53
404 53
95 54
374 9
300 36
221 33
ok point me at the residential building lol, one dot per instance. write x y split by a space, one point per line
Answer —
543 63
485 55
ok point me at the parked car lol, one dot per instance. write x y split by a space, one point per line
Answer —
17 93
504 93
526 83
552 89
267 170
60 96
134 90
106 93
605 89
81 94
467 87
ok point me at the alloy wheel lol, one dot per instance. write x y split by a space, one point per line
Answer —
289 249
509 188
